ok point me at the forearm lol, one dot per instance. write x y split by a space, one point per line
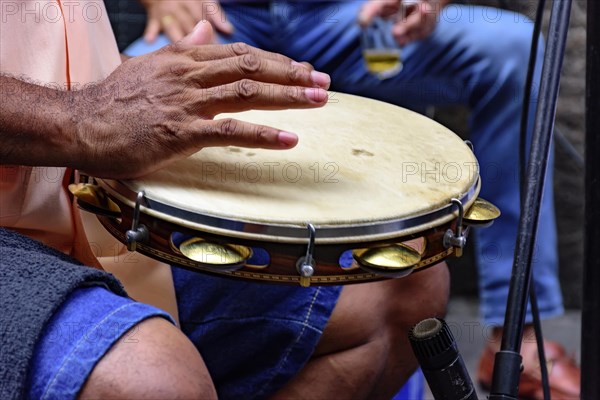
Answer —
37 124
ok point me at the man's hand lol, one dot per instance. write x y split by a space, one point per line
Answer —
177 18
415 20
155 109
160 107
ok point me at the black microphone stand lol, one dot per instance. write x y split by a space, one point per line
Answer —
590 316
507 366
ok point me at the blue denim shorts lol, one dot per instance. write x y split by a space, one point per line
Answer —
253 337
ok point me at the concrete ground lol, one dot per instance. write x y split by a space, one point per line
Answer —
470 334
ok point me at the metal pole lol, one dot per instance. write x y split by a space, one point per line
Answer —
507 364
590 316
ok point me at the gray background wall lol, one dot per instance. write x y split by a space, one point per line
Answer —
128 23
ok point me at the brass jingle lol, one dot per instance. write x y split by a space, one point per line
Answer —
220 257
388 274
173 246
94 199
395 260
481 213
257 265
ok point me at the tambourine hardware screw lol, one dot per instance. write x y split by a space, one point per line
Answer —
138 232
135 236
307 270
470 145
304 281
452 240
306 265
457 240
458 251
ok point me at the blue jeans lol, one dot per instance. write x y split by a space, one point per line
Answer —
476 56
253 337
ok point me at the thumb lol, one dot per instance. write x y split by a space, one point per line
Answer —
203 33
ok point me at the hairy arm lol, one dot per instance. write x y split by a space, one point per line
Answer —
155 109
36 124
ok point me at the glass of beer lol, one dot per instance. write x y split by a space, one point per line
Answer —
382 55
381 52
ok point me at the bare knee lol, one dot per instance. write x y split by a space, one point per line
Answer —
421 295
377 310
155 361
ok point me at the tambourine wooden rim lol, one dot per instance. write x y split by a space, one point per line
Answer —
283 254
351 233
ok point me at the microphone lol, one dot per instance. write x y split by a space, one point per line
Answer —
436 351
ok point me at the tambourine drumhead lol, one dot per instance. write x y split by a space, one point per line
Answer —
360 164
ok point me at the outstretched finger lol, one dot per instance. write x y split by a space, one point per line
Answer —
416 26
211 74
233 132
185 21
246 95
218 52
304 64
172 28
152 30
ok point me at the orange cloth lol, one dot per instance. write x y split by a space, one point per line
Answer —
67 44
64 45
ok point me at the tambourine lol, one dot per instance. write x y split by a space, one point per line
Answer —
372 191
